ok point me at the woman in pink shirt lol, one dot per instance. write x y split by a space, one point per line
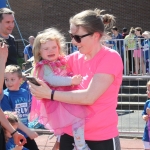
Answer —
101 69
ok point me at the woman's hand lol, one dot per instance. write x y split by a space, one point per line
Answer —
3 52
42 91
19 139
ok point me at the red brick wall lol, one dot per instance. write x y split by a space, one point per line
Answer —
35 15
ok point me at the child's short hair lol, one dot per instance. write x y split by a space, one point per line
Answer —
115 28
14 69
139 29
11 117
44 36
148 83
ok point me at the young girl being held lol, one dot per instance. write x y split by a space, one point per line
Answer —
51 66
12 118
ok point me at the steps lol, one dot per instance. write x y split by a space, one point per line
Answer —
132 94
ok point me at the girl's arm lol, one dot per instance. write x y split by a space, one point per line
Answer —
17 136
83 97
29 132
56 80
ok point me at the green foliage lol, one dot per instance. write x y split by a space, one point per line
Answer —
20 61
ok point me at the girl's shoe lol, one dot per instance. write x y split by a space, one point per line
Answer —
83 148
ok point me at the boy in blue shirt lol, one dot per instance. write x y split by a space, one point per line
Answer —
145 116
17 99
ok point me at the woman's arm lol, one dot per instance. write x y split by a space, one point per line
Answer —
98 85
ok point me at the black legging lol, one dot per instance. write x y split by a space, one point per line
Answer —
2 139
66 142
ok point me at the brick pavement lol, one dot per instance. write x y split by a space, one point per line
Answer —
44 143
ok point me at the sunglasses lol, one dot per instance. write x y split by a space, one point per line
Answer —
78 38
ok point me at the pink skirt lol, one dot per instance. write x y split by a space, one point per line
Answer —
137 53
56 116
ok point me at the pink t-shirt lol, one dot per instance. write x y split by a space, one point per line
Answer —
103 124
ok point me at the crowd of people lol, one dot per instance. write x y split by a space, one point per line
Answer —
76 92
133 46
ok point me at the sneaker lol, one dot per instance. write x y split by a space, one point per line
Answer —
83 148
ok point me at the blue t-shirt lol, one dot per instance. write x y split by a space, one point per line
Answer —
11 145
146 48
18 101
119 43
28 51
145 135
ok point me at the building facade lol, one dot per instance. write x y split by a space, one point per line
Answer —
33 16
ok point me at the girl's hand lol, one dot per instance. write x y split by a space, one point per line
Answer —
76 79
32 135
40 92
19 137
145 117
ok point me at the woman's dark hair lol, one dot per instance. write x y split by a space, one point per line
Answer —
93 21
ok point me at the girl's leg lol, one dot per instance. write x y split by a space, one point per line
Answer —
136 60
78 133
143 65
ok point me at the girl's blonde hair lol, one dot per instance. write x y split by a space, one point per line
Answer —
46 35
132 31
11 117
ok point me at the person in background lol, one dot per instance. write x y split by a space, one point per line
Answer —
146 49
109 42
17 99
28 49
138 53
13 120
3 121
118 39
124 32
145 116
102 69
6 28
130 46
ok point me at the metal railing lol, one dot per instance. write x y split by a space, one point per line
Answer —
136 58
131 100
